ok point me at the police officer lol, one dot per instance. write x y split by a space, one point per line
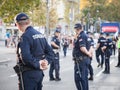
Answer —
107 49
90 66
34 54
81 57
55 65
118 45
100 44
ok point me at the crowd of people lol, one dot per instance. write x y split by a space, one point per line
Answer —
10 40
36 54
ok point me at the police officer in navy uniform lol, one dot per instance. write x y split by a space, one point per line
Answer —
81 56
100 44
90 66
35 53
55 65
118 46
107 49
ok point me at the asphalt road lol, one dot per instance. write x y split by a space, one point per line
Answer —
8 78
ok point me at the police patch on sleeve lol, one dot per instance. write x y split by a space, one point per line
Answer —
36 36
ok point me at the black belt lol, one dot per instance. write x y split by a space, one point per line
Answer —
80 58
21 68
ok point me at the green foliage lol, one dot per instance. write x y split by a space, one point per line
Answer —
75 6
36 9
104 9
9 8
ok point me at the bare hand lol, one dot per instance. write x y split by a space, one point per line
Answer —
90 55
43 64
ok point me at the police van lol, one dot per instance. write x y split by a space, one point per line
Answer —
110 27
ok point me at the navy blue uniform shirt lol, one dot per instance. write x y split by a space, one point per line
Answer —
56 41
101 41
108 44
92 41
82 41
34 48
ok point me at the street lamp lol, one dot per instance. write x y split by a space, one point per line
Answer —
88 17
96 21
71 17
47 19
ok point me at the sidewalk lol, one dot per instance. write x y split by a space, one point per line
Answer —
4 52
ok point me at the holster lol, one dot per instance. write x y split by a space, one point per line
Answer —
56 51
16 69
79 59
21 68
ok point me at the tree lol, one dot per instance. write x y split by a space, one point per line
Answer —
9 8
36 9
108 9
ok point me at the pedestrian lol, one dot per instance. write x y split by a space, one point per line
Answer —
33 53
7 39
65 44
118 45
13 41
81 56
90 68
100 44
107 49
55 64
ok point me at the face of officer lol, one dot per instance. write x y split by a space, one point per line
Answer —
78 30
57 34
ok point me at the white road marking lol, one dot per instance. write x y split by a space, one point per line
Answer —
5 60
14 75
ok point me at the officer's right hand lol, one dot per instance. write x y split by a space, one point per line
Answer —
43 64
90 55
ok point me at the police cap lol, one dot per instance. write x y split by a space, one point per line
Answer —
57 30
89 32
107 34
101 33
78 26
20 17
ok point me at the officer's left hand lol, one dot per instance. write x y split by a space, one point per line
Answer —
103 48
43 64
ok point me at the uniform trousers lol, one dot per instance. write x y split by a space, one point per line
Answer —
90 68
118 64
81 74
100 53
107 64
32 80
55 65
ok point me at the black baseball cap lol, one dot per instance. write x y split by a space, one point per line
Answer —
101 33
57 30
20 17
107 34
89 32
78 26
